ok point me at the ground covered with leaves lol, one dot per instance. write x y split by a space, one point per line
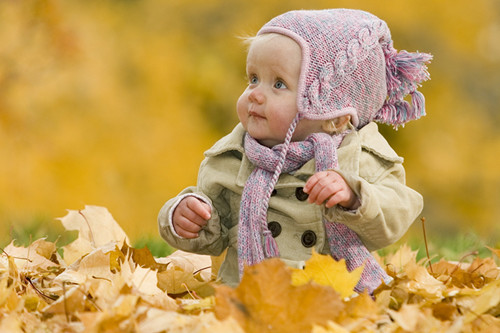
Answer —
101 284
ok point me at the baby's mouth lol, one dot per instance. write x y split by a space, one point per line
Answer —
255 114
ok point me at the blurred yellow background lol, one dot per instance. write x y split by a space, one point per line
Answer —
112 103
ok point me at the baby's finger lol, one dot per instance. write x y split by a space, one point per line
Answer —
200 208
323 182
313 180
334 200
193 218
187 224
325 193
185 228
186 234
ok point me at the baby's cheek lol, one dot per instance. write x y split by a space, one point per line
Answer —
242 109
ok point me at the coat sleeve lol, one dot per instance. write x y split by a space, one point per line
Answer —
213 238
388 206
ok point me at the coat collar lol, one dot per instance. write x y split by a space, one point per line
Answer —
349 152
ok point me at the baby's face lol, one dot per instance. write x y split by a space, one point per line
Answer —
269 103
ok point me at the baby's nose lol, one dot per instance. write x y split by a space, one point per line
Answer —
257 96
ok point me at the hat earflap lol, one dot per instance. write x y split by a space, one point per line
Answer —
404 73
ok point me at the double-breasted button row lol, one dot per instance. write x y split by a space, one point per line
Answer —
299 194
308 238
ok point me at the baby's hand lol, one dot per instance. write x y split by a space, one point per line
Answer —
190 215
330 188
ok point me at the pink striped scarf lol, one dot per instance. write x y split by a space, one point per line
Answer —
255 242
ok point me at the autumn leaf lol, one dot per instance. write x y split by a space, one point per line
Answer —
397 261
267 301
185 272
157 321
326 271
361 312
144 258
421 282
489 298
408 317
116 288
37 255
96 227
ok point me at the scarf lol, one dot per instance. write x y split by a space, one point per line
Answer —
255 241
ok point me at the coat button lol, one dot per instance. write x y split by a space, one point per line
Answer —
275 228
308 238
300 194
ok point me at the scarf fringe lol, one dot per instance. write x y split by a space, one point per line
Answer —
270 246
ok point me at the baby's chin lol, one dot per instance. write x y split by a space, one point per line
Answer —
269 142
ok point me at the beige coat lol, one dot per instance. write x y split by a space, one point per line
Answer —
369 165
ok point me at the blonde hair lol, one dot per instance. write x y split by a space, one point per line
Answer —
337 125
248 40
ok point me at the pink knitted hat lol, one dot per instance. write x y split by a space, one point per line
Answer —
350 67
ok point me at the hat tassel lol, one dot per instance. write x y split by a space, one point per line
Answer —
404 73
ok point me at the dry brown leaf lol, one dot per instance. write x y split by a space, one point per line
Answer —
159 301
362 306
96 227
94 265
396 262
76 249
489 298
74 300
331 327
445 311
407 317
167 321
414 318
465 275
115 288
422 283
483 268
35 256
266 301
444 267
11 323
145 281
143 257
185 272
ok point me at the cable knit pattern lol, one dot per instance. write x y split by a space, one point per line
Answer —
351 67
255 242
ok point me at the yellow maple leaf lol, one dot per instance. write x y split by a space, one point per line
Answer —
326 271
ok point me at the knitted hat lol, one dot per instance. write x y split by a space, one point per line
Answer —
350 67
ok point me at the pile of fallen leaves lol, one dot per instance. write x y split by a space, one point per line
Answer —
104 285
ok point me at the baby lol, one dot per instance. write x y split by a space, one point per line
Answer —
306 167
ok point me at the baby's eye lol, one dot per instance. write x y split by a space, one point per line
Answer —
280 85
253 79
